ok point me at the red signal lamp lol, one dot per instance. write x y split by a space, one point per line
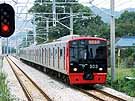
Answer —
5 28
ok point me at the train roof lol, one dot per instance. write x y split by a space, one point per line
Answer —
77 37
67 38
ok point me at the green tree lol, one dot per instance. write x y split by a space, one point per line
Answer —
125 24
92 26
82 25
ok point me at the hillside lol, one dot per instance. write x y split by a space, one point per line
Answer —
105 17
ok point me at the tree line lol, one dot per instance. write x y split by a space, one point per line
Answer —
83 25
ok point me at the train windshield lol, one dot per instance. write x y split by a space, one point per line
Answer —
84 51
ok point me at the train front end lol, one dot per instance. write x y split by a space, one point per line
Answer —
88 61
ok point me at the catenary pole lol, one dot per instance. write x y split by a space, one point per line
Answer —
54 12
47 29
112 37
71 21
7 46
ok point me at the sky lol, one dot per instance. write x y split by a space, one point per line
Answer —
22 6
119 4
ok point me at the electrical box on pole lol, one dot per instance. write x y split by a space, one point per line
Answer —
7 20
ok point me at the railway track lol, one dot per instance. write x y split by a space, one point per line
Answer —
32 91
100 95
96 93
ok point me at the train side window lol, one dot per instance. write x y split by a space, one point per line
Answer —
51 50
55 51
49 55
45 56
58 56
64 58
60 52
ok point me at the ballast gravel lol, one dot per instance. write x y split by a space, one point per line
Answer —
56 90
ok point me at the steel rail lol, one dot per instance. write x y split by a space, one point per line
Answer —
97 97
28 95
110 95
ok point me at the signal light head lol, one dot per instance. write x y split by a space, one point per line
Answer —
7 20
5 28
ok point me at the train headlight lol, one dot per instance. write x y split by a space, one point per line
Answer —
71 64
75 69
100 69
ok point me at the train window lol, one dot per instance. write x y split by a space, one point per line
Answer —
55 51
60 52
58 56
64 58
42 55
82 42
51 52
82 53
74 54
49 56
101 52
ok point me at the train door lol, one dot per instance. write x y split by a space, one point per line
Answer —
42 55
51 56
49 52
56 57
45 57
61 58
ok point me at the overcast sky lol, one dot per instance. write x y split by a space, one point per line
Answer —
23 7
119 4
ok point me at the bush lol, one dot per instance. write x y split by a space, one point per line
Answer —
123 85
4 91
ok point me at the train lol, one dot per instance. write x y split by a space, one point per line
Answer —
77 60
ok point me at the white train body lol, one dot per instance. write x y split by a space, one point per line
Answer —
80 60
51 55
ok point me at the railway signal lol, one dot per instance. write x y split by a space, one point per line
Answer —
7 20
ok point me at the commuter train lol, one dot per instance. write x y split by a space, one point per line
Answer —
74 59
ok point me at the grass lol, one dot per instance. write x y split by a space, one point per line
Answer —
123 72
122 84
4 91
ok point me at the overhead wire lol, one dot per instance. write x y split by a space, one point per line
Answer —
25 20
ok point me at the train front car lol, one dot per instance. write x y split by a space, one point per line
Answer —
87 61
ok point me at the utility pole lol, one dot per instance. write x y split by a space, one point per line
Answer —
1 58
10 48
71 21
54 12
0 46
7 46
112 31
47 28
4 47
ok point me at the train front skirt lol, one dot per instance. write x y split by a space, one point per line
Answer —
78 78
